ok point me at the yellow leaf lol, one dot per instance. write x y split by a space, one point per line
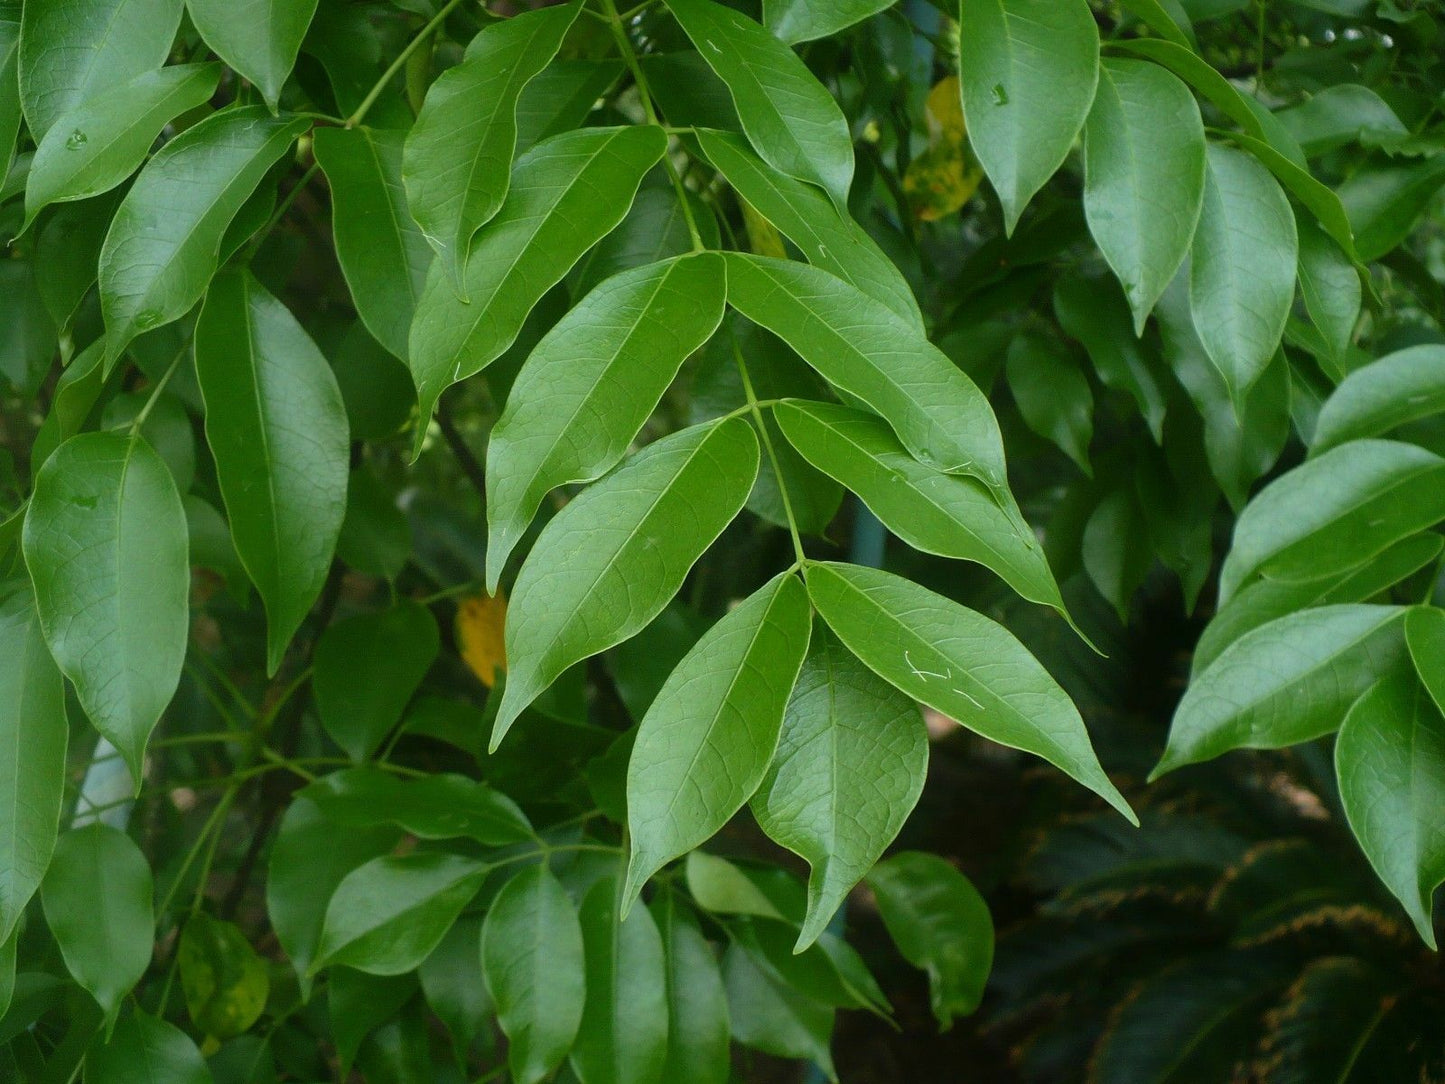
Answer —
480 620
944 177
944 110
763 237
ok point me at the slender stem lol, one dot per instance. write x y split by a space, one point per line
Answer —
451 592
160 386
461 450
756 407
644 95
397 64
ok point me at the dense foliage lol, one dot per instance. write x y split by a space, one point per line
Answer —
455 458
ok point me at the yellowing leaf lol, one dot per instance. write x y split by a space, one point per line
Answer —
944 177
225 982
763 237
480 620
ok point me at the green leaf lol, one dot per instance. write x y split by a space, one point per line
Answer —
311 856
1321 201
27 332
533 958
435 806
1144 150
98 898
1051 393
1335 512
1390 759
697 1007
1175 28
959 663
792 21
145 1050
10 110
789 117
1340 114
1425 635
366 669
67 252
933 512
224 981
849 769
567 193
105 542
1245 256
1264 600
590 385
33 733
863 349
1331 1029
382 251
277 426
654 229
719 886
1028 71
1377 398
360 1004
560 98
1385 197
73 51
97 145
1200 75
1094 311
258 38
940 924
623 1037
1286 682
609 562
451 978
706 742
827 239
1116 546
458 159
387 916
1331 288
768 1014
164 242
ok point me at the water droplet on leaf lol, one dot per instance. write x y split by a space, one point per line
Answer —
1000 95
77 139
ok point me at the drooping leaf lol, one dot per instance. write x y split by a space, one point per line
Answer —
1373 400
27 330
1340 114
97 145
1384 198
849 768
534 961
705 743
1144 187
72 51
458 159
1052 395
940 924
1390 760
257 38
721 887
387 916
277 426
105 542
566 194
770 1015
793 21
959 663
1334 512
224 980
1116 546
1331 287
788 116
311 856
623 1037
367 668
591 384
828 239
451 978
380 247
97 896
1245 256
615 556
34 732
937 513
697 1008
164 242
145 1049
1028 71
359 1004
436 806
1288 681
860 347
